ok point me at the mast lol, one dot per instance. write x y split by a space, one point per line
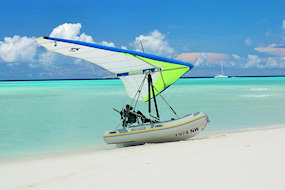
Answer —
150 88
222 68
148 82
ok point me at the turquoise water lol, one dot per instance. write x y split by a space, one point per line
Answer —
47 117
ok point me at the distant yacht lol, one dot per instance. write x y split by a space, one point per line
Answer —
221 75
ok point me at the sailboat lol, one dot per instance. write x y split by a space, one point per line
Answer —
221 75
145 77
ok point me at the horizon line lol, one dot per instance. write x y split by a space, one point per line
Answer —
116 78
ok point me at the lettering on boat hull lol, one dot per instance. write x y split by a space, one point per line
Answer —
187 132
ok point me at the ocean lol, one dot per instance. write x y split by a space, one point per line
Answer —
53 117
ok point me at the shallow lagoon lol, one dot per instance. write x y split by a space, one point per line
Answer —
47 117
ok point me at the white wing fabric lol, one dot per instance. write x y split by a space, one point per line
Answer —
129 66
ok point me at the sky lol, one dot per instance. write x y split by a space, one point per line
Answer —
247 37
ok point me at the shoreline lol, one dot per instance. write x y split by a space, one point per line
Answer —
251 159
105 147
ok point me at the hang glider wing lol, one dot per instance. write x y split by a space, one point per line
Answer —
129 66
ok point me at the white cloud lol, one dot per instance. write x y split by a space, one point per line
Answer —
67 31
216 58
78 61
21 49
110 44
12 65
273 49
154 43
70 31
275 62
202 59
248 42
236 56
85 38
252 61
47 58
271 62
188 57
207 59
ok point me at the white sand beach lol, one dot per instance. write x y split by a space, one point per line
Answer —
244 160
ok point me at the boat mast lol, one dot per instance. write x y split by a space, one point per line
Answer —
222 68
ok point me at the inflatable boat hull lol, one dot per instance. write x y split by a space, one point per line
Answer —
173 130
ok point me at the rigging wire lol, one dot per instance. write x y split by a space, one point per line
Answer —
130 65
138 93
118 125
162 77
165 101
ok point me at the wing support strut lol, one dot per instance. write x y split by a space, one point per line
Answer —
150 88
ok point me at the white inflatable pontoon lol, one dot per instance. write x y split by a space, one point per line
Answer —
173 130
